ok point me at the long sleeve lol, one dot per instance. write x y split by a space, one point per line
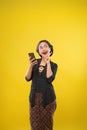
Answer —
54 68
29 78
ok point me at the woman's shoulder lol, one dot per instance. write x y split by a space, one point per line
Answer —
54 64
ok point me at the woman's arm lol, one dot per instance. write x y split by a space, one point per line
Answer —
54 68
28 74
49 72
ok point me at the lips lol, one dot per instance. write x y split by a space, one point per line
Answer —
45 52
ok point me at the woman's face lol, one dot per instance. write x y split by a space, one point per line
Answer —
44 49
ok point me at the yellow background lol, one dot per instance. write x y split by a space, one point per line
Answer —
22 25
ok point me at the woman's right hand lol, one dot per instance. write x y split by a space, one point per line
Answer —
33 62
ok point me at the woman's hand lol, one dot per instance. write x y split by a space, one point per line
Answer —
33 62
47 59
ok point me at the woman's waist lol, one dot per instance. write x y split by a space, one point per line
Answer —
38 89
42 84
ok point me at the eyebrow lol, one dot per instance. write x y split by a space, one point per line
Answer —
45 44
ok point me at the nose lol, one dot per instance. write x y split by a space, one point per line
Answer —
43 48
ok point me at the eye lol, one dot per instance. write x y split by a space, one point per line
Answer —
46 45
40 47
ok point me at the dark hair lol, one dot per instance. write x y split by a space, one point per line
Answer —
48 43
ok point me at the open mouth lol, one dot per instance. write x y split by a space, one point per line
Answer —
45 52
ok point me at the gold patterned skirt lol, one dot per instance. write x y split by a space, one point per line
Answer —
42 118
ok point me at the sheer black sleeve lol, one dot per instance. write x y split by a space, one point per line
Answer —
27 78
30 78
54 68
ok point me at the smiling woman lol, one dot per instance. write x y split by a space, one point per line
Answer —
45 48
42 96
23 23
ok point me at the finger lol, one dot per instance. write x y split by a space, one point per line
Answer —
49 53
34 62
33 59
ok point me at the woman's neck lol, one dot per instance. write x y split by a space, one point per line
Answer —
43 62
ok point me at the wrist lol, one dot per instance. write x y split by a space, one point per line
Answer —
48 63
31 66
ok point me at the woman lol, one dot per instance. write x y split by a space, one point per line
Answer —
42 97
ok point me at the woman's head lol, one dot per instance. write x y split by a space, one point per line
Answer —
44 48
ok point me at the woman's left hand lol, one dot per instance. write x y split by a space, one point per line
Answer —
47 58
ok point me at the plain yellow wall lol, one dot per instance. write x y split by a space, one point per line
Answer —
23 24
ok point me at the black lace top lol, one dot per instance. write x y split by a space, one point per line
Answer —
42 84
